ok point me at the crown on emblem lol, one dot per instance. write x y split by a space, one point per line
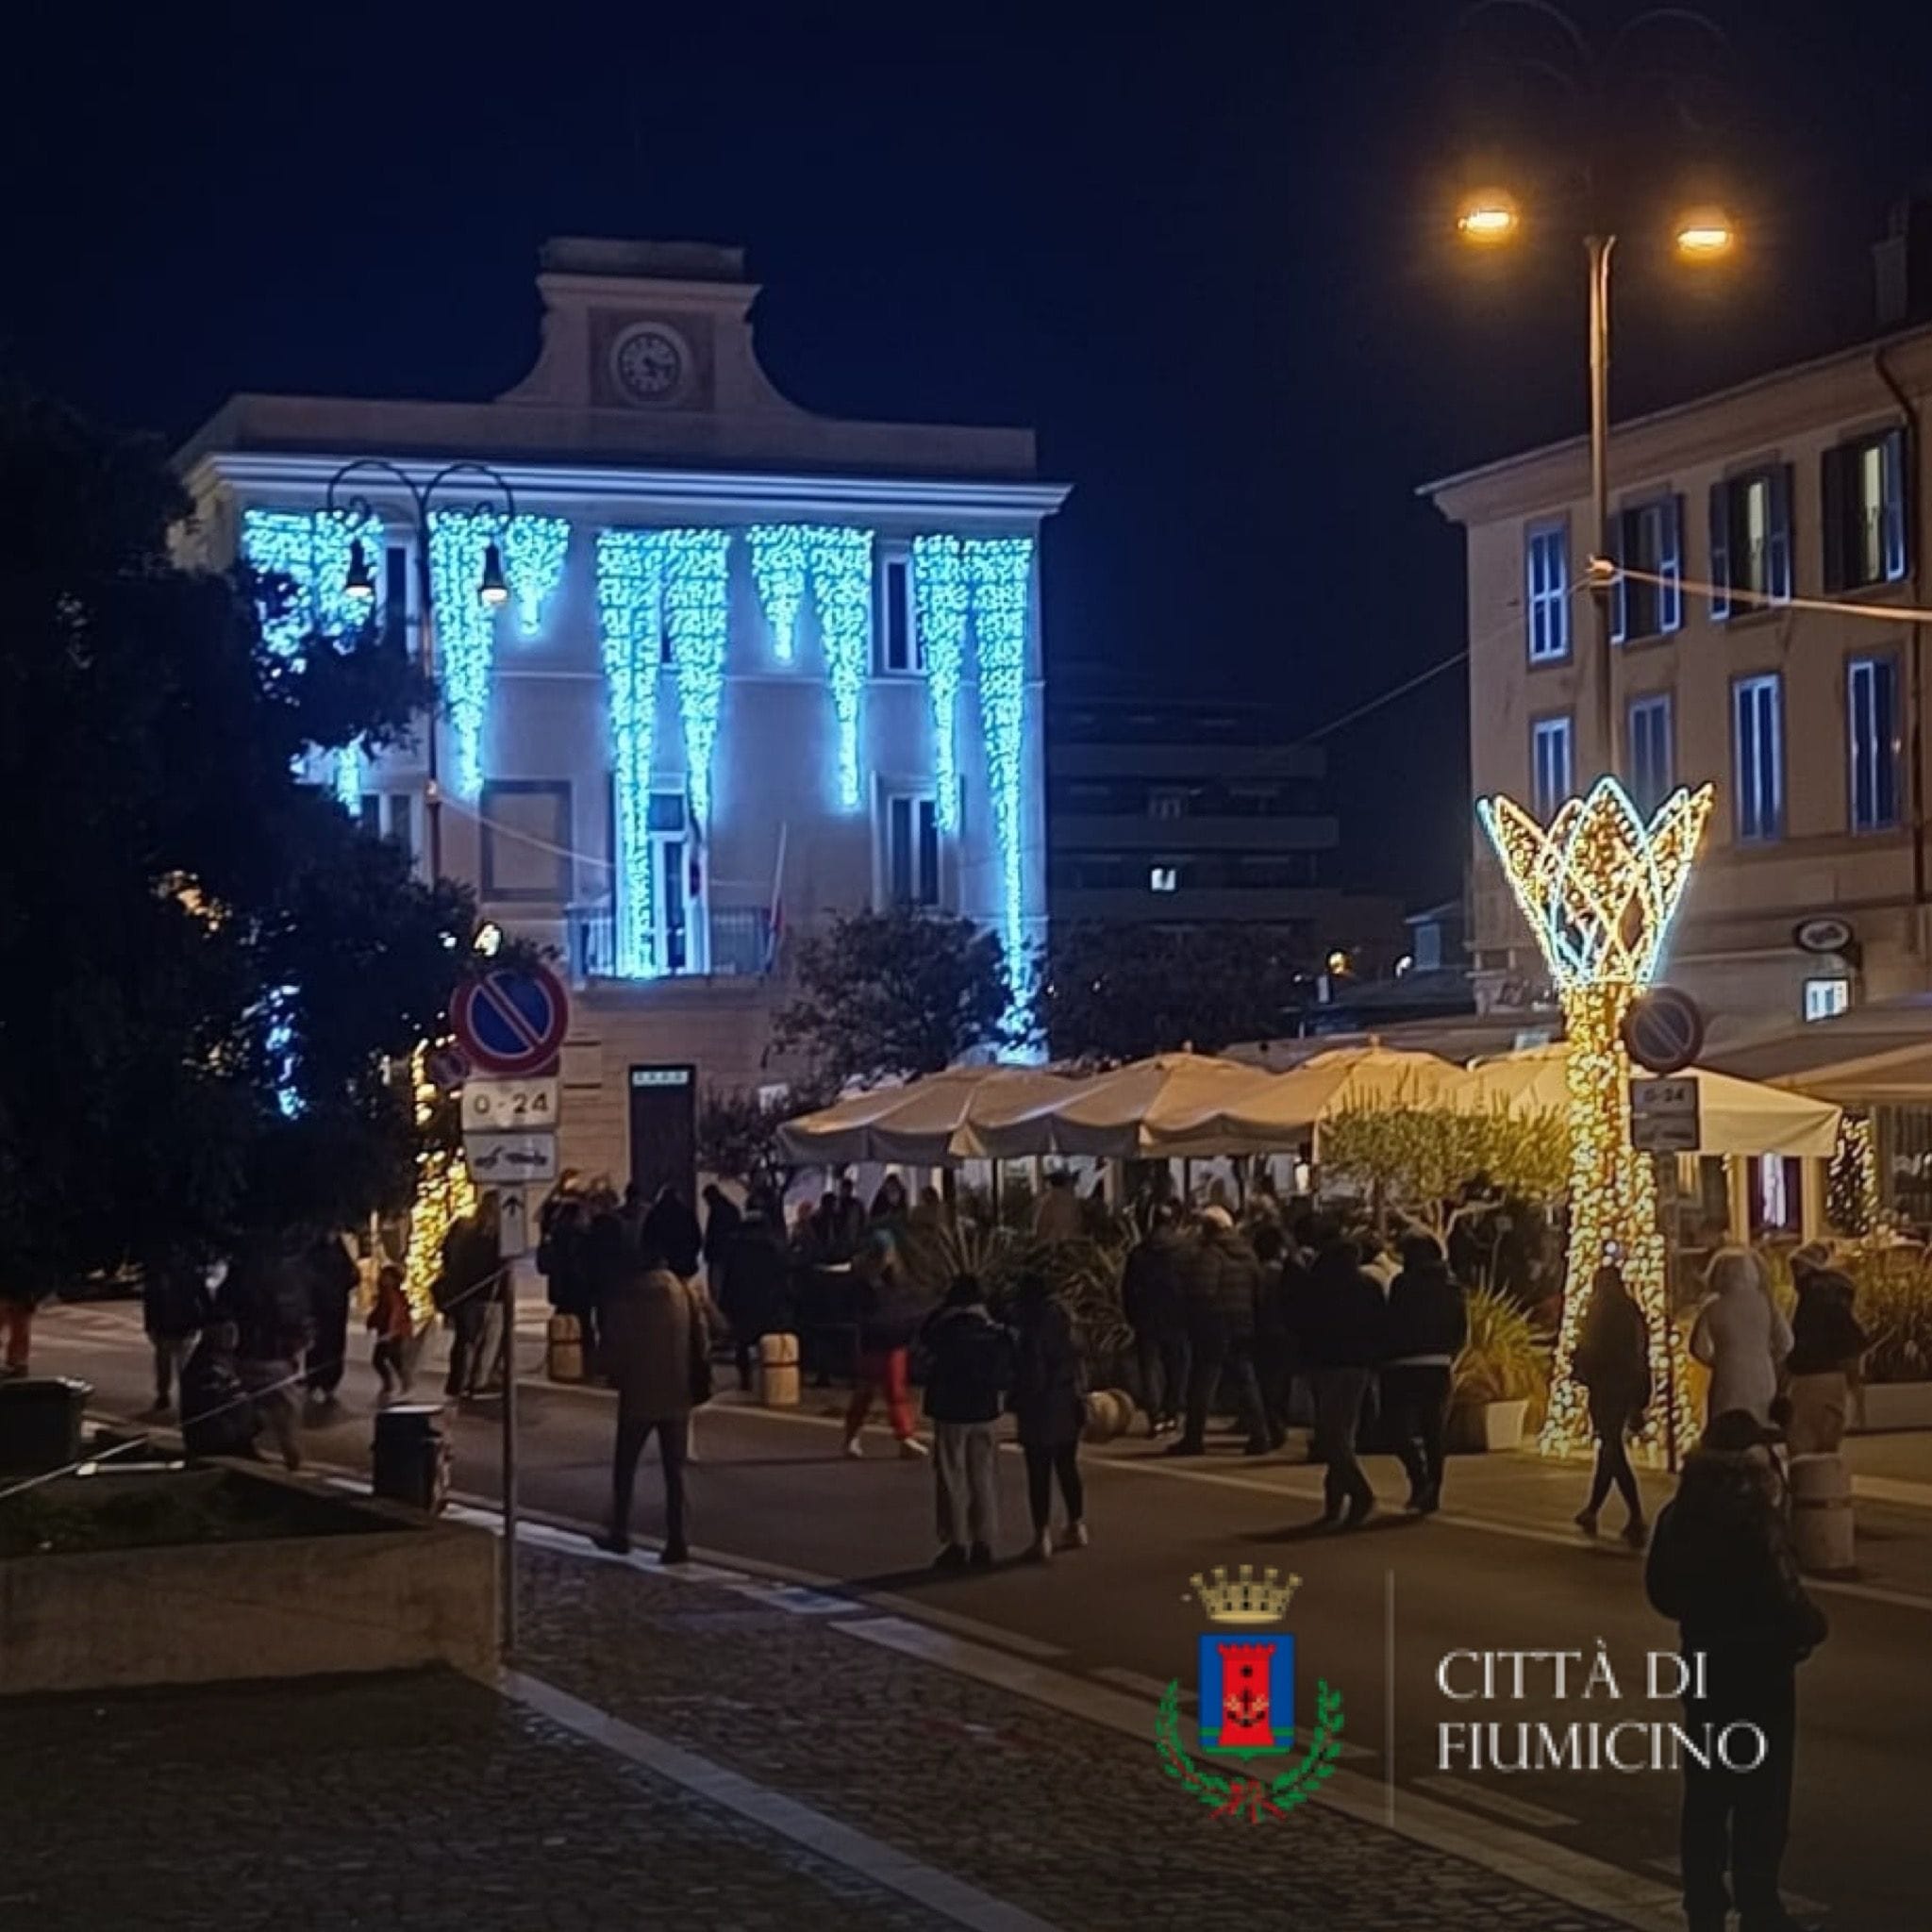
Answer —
1245 1598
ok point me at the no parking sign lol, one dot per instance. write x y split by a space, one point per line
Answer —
511 1020
1664 1030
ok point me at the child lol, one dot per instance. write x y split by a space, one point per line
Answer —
392 1324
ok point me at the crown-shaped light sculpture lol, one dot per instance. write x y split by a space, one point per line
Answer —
1600 889
1245 1598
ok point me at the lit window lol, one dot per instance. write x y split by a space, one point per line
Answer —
1549 760
1751 540
1758 756
1164 878
1825 997
1546 564
1872 715
912 851
1865 511
1648 537
1651 761
901 651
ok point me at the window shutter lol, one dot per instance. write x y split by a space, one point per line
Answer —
1670 566
1831 477
1894 505
1777 562
1719 551
1613 546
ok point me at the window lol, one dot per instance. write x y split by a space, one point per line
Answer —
1166 805
1825 997
399 596
912 851
896 624
678 883
1758 756
1651 760
1546 564
1163 879
1871 714
1751 540
1549 765
526 841
1647 536
390 815
1865 511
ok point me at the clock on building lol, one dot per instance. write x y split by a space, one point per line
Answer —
649 363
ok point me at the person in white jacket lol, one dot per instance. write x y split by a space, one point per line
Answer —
1741 1336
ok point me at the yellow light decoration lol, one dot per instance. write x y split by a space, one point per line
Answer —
1599 889
444 1195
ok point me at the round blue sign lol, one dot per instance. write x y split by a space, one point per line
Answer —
511 1019
1664 1030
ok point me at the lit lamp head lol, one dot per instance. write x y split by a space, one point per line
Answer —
492 590
358 584
1489 218
1704 233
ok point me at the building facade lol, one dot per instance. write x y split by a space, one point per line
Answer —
752 667
1729 513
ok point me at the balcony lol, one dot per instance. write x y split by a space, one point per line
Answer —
739 942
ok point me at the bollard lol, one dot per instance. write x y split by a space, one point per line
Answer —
411 1456
778 1371
1821 1528
563 1357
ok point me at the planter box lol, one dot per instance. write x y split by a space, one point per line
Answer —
1893 1406
355 1586
1478 1427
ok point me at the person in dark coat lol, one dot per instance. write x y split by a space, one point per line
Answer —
1721 1567
848 1221
1428 1325
890 1314
1220 1281
1827 1348
1275 1302
1612 1361
1153 1300
472 1262
332 1280
969 1369
563 1232
217 1416
1049 1405
754 1289
723 1219
174 1309
265 1296
1344 1340
671 1229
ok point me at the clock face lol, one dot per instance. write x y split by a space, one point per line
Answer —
649 363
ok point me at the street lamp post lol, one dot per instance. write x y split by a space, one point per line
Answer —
361 585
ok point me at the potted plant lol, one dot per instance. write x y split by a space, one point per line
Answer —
1502 1370
1894 1308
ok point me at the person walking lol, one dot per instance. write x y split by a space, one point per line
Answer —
888 1317
1612 1361
1220 1279
1049 1405
265 1298
968 1365
1153 1300
1741 1336
393 1325
1722 1567
755 1291
1428 1325
723 1217
563 1232
657 1357
471 1260
1344 1341
1827 1347
329 1275
174 1309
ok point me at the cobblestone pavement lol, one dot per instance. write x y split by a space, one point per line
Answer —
1063 1817
426 1803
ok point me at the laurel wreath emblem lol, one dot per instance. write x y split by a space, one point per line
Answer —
1253 1798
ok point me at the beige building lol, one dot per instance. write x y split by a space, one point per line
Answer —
752 666
1807 483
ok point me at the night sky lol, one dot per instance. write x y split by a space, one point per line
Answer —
1207 263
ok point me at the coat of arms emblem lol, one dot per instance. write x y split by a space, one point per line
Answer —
1246 1701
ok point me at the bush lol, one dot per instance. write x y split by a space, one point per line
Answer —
1894 1308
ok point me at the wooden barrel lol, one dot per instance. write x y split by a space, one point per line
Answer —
1822 1529
564 1359
778 1371
1109 1413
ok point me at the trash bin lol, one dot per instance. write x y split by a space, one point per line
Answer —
41 1419
778 1371
409 1458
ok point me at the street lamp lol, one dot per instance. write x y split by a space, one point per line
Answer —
1701 234
360 584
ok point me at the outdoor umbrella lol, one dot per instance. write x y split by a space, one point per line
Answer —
925 1122
1286 1107
1147 1108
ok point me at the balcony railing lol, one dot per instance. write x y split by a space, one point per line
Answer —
740 937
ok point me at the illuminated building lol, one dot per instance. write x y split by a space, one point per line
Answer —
717 645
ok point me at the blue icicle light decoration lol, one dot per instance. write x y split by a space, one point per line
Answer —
999 577
939 590
840 566
534 549
630 598
465 634
697 612
779 566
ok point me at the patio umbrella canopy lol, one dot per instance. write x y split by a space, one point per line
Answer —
925 1122
1735 1116
1291 1107
1144 1110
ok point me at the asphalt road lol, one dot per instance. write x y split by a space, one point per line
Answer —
1376 1612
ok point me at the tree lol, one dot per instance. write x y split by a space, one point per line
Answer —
1111 992
885 995
209 961
737 1132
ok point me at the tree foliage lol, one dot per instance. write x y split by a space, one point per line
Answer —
1415 1160
738 1132
207 958
888 995
1113 993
